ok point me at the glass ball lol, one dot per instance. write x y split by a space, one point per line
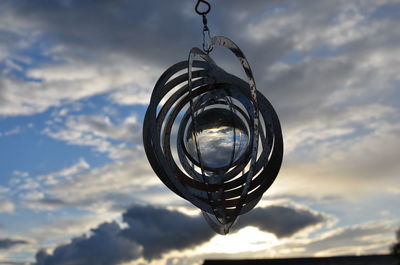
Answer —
222 137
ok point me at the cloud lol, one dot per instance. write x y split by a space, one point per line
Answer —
159 230
4 262
6 243
49 233
33 190
269 38
394 190
104 188
142 26
62 83
131 94
103 247
343 241
367 238
4 189
16 130
325 87
7 206
99 132
345 164
27 184
61 74
151 232
55 177
363 239
20 173
281 221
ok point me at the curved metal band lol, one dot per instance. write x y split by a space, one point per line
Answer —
229 44
236 192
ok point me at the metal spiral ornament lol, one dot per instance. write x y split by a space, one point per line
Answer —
211 137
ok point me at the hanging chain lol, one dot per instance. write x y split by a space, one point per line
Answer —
207 45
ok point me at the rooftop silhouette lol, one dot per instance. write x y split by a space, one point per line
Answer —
340 260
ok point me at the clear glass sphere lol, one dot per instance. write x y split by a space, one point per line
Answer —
221 135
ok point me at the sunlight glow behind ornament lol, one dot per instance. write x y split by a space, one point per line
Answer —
211 137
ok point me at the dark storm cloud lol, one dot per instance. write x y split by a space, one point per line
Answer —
151 28
6 243
160 230
103 247
152 231
155 31
282 221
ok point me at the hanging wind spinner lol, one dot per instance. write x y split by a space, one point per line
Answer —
210 136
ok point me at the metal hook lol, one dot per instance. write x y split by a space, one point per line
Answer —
207 42
202 13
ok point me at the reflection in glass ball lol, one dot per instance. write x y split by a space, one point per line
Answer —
222 137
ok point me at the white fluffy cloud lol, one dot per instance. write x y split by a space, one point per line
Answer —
108 188
97 131
73 80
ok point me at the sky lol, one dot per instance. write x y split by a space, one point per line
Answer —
75 81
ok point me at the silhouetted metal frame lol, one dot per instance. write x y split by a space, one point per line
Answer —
236 192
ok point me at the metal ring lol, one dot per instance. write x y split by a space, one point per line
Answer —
204 12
